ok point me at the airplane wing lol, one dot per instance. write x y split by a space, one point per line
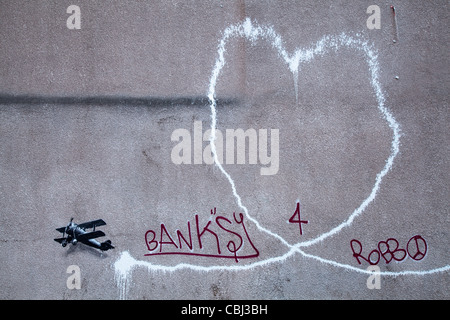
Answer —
62 229
91 224
90 235
59 239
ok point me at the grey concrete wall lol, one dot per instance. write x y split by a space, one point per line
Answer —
86 119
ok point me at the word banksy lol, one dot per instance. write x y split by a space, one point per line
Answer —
257 147
210 238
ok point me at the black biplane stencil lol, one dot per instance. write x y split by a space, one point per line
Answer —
77 232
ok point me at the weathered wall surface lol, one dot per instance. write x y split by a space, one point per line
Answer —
357 129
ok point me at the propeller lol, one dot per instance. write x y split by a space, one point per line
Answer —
74 241
67 227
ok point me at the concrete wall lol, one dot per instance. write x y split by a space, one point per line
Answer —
86 124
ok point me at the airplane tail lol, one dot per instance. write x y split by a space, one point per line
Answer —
106 245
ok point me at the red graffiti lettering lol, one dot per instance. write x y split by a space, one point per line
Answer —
161 242
217 229
151 241
180 236
357 253
200 234
389 250
296 218
231 246
417 248
396 254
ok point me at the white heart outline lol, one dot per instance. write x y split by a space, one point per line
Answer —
252 31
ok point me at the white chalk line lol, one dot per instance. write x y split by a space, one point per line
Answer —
127 262
253 32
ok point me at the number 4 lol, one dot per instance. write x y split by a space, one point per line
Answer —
296 218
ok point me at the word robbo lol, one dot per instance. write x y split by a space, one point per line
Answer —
389 250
